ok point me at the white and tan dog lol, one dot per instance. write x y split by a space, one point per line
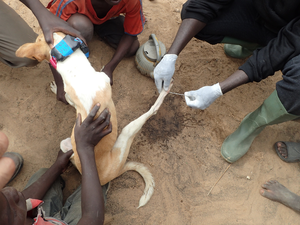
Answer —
84 88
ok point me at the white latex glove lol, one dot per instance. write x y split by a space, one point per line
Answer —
164 71
203 97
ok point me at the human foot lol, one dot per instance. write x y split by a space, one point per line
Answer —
275 191
288 151
282 149
14 161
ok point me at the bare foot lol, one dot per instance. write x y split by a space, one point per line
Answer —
275 191
282 149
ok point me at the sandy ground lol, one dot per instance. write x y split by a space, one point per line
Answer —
180 145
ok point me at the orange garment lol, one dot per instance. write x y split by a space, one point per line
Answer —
132 9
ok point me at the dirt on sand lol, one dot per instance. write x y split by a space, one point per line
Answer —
180 145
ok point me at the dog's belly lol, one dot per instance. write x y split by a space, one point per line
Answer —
103 154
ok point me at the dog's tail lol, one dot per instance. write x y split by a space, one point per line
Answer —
148 178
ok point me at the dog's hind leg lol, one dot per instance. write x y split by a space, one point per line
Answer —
123 144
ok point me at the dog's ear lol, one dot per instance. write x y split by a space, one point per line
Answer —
39 50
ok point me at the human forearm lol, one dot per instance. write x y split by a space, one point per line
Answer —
187 30
121 52
92 201
87 136
238 78
49 22
39 188
205 96
37 8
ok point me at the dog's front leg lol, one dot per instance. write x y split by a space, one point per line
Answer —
53 88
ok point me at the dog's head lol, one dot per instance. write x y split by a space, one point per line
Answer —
40 50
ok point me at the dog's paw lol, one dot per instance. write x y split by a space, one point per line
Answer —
66 145
53 87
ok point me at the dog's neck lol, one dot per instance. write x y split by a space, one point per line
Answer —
79 75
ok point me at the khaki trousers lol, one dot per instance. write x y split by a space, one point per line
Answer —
14 32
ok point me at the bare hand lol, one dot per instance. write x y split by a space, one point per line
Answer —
51 23
62 159
90 131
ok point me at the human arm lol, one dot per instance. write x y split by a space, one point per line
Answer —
39 188
122 50
205 96
271 58
263 63
87 135
165 69
49 22
195 14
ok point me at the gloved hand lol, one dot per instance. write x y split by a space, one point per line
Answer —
203 97
164 71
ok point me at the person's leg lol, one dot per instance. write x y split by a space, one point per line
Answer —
10 162
238 21
71 212
275 191
282 105
288 93
236 25
112 31
288 151
83 25
14 32
54 196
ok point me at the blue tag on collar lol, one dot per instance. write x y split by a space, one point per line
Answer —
67 46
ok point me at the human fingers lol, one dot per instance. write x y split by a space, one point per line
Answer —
167 84
102 124
89 119
158 83
78 120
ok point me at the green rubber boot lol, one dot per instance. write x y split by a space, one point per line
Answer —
239 49
270 112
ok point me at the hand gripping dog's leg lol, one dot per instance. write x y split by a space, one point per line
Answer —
123 144
66 145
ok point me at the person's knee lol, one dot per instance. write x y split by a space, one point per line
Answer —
83 25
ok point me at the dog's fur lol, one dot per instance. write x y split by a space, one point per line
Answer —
84 88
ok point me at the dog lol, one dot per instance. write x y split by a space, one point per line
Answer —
84 88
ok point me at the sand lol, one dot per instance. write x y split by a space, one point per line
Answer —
180 145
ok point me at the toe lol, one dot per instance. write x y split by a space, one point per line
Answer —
282 149
262 192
